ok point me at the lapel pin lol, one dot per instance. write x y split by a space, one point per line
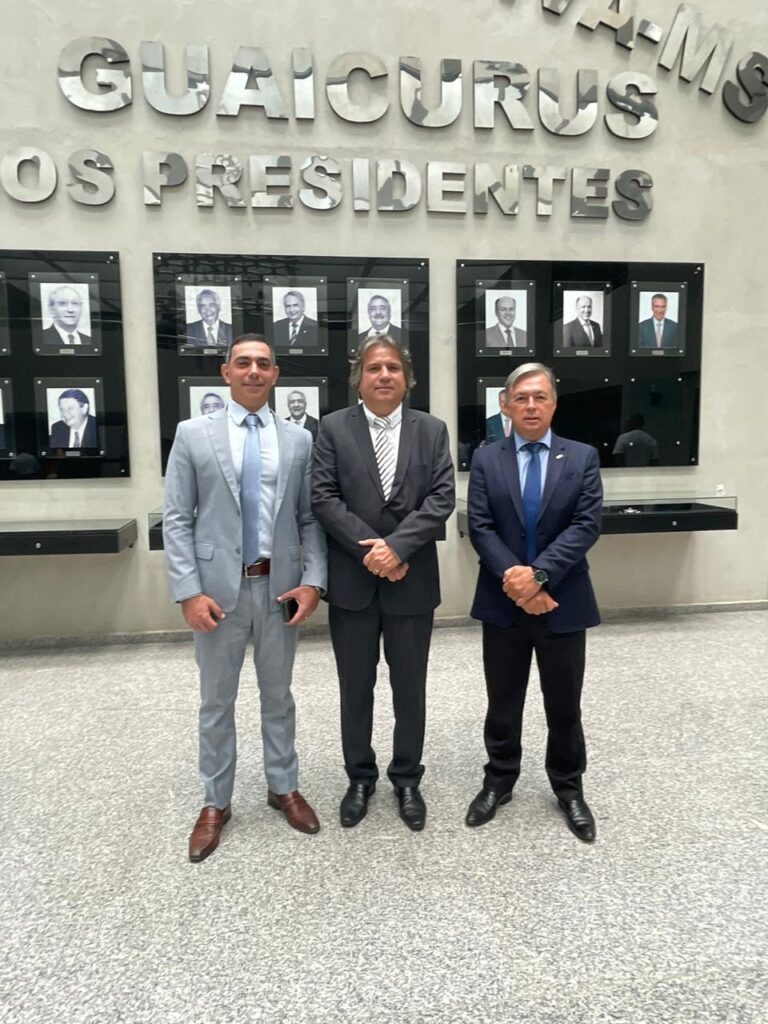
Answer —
560 456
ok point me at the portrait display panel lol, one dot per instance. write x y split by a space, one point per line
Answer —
65 313
326 297
301 400
5 333
658 320
491 395
209 313
636 411
199 396
377 307
506 318
70 416
7 433
296 314
581 319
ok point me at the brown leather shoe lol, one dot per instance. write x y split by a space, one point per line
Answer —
207 831
296 809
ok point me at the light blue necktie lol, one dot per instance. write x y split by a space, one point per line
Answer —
250 489
532 497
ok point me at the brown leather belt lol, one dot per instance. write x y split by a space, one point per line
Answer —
260 568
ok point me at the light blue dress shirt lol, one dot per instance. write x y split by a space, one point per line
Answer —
524 458
269 464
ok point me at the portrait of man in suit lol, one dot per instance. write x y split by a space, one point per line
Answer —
65 307
658 331
378 320
211 402
534 508
499 425
382 487
295 330
504 333
242 548
297 409
77 427
582 332
210 331
2 423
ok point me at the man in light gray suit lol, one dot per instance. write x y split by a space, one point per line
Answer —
237 522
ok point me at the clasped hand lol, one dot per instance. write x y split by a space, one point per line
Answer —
382 561
519 586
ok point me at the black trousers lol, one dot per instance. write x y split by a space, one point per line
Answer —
507 652
356 637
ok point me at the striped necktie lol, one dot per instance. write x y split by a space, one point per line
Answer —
384 451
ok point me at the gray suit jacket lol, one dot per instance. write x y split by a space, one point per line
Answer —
495 338
348 500
202 528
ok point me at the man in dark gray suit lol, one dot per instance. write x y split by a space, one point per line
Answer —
583 332
240 539
297 407
76 428
210 331
504 334
383 487
65 308
658 331
380 316
296 330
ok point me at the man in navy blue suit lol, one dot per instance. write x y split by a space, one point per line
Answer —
535 505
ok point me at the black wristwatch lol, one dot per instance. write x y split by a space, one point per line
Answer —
539 576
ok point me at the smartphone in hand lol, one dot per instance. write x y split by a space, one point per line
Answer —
290 607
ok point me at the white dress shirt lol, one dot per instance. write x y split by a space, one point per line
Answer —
66 335
396 420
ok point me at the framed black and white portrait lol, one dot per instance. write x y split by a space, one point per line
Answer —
302 401
377 307
7 437
491 396
582 319
658 318
201 396
66 315
70 413
296 314
5 333
505 320
210 310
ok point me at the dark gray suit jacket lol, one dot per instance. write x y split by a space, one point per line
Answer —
574 335
348 500
197 337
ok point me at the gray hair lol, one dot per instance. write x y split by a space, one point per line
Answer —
250 337
528 370
356 364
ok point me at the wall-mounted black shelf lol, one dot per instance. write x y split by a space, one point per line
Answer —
655 515
68 537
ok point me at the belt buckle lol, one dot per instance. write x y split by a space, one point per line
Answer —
253 565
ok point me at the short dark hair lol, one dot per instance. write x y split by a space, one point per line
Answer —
250 337
77 394
356 364
658 295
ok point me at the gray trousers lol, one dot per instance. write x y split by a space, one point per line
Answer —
220 656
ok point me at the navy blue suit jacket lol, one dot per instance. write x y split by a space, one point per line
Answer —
568 526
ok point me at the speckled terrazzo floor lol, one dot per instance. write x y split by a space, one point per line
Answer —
662 920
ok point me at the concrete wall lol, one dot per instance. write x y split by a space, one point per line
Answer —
709 172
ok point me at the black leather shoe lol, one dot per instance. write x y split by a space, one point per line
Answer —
483 807
579 817
413 810
354 805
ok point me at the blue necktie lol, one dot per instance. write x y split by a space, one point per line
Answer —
250 488
532 497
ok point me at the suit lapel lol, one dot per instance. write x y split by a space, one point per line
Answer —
507 457
218 431
285 446
555 466
362 436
